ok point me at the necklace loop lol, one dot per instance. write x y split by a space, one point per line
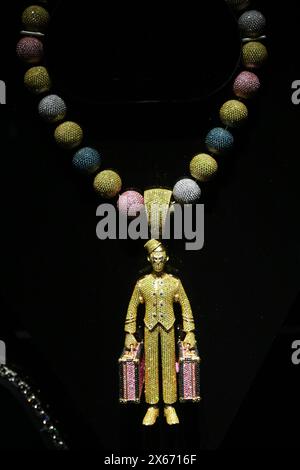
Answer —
219 141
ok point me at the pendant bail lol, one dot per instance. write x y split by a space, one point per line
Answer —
157 204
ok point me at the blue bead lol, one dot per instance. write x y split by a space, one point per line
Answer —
86 160
219 141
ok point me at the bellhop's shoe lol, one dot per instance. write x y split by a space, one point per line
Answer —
171 415
151 416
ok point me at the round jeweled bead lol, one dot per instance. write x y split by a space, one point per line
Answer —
246 85
130 203
37 80
68 135
107 184
238 4
30 50
52 108
219 141
254 54
186 191
35 19
252 24
87 160
233 113
203 167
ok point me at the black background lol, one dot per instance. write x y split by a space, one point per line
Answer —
146 86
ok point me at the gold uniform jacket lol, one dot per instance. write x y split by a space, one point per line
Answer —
159 293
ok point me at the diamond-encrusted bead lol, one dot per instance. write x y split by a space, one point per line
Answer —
52 108
186 191
219 141
252 24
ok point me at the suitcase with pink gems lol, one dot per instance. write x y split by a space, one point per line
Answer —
189 374
131 375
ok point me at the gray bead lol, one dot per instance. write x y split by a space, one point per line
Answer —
52 108
186 191
252 24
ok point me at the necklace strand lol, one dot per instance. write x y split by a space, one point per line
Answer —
219 141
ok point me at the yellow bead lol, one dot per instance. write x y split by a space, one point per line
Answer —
35 19
68 135
203 167
37 80
255 54
233 113
107 184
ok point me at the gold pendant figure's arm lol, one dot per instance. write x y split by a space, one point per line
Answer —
136 299
186 310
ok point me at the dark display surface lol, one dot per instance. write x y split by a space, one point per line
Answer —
70 291
146 53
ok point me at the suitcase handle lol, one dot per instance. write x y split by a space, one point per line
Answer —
130 352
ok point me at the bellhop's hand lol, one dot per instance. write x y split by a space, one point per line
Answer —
130 341
189 340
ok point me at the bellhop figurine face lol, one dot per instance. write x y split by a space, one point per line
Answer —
159 291
158 258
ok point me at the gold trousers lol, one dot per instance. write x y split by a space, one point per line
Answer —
168 364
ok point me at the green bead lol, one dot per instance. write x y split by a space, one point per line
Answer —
35 19
68 135
203 167
37 80
233 113
107 184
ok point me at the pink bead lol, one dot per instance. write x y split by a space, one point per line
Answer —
130 202
30 50
246 85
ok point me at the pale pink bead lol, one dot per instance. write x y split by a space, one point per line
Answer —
130 202
30 50
246 85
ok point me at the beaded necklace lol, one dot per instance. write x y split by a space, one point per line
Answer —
219 140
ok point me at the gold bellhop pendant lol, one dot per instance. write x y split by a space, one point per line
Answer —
158 292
